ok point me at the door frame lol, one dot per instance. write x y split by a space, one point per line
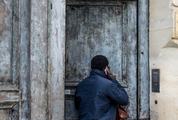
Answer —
123 15
42 28
51 32
143 87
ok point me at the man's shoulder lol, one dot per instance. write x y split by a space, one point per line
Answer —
95 79
103 81
84 81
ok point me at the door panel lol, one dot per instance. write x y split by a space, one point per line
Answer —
5 40
93 32
101 29
9 92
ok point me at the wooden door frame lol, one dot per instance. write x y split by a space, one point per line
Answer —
51 32
122 14
143 60
143 52
35 66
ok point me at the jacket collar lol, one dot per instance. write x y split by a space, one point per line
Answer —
98 72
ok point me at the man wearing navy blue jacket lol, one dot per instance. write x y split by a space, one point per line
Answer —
98 96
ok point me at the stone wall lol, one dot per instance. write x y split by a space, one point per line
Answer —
163 56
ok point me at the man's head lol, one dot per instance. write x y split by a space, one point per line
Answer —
99 62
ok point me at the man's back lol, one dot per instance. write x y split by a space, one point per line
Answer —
97 97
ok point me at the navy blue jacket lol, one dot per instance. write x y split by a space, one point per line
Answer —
97 97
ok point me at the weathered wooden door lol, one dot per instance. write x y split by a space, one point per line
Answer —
108 28
14 59
9 91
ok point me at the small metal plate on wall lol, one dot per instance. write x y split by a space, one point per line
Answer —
156 80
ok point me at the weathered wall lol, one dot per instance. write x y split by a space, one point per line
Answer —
164 56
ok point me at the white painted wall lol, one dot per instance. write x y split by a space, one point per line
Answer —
164 56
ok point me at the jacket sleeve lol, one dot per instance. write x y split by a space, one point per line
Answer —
117 93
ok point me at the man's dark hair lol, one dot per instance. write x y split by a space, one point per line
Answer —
99 62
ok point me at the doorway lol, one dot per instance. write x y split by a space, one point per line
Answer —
108 28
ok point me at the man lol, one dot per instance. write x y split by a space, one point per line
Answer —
98 96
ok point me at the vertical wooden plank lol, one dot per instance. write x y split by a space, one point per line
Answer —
124 44
130 51
24 58
15 43
143 59
5 40
38 62
56 58
15 58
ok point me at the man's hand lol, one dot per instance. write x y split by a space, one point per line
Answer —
109 73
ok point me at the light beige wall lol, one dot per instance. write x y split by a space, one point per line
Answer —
164 56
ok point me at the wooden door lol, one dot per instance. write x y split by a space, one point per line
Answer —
108 28
9 91
14 59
